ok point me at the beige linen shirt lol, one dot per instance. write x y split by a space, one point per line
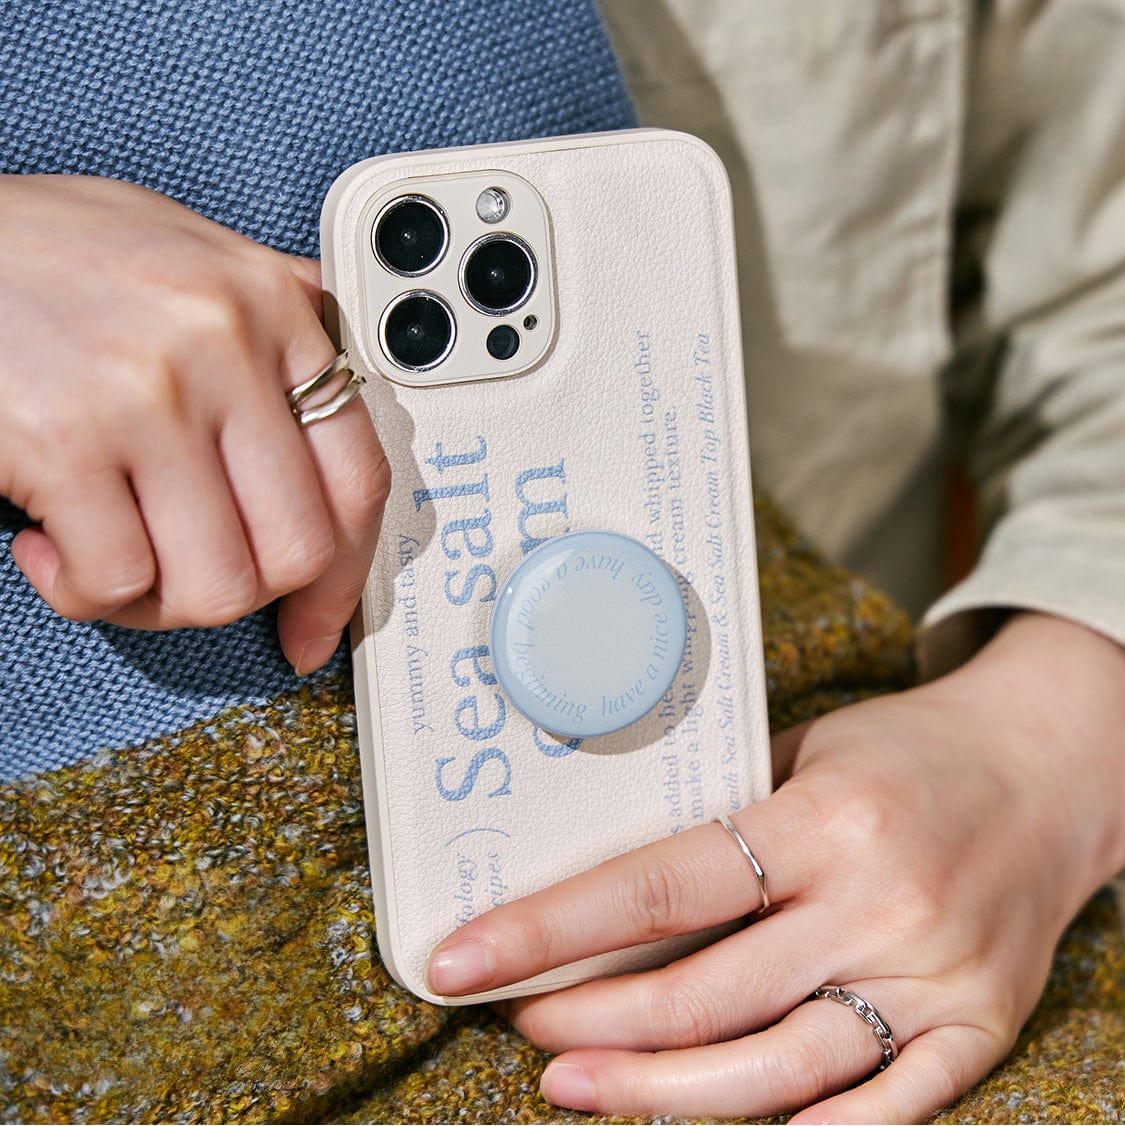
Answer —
930 209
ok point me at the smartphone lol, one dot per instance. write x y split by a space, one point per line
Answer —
558 655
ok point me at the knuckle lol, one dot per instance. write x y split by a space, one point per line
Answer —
364 491
213 317
853 819
299 562
688 1015
98 592
223 319
908 907
219 310
225 599
72 606
379 477
538 940
47 422
796 1077
131 580
863 817
274 280
229 608
145 388
919 909
659 900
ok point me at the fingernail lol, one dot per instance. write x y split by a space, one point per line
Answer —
460 968
316 653
566 1084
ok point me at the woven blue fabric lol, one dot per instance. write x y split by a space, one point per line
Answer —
245 112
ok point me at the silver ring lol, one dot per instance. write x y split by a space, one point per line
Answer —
869 1013
738 840
347 391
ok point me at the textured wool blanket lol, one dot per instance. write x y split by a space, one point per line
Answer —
186 927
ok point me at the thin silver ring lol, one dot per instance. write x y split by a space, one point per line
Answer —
305 416
870 1015
738 840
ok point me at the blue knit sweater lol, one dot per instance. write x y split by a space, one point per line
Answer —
245 112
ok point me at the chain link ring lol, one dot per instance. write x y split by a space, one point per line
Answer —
868 1012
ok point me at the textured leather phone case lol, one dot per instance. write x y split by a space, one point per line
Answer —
634 423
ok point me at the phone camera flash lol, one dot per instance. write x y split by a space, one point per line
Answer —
493 205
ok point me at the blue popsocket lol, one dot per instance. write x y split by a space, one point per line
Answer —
588 633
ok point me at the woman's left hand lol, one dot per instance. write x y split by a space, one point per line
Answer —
924 851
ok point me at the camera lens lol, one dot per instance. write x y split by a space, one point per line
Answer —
410 235
503 342
498 274
418 331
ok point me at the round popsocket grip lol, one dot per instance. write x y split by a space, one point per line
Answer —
588 633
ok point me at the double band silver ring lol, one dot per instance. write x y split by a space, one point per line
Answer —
336 372
758 872
870 1015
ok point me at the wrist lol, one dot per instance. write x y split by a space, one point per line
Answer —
1049 695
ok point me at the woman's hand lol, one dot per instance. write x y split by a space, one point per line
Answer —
925 852
147 353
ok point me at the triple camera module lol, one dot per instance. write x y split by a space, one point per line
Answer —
456 283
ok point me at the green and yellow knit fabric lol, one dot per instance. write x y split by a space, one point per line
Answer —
186 928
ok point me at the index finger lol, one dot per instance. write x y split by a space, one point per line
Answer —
674 886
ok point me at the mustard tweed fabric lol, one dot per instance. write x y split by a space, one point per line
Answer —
186 928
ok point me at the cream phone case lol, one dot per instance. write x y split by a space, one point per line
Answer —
633 421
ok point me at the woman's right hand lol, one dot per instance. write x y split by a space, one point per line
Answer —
145 428
924 852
